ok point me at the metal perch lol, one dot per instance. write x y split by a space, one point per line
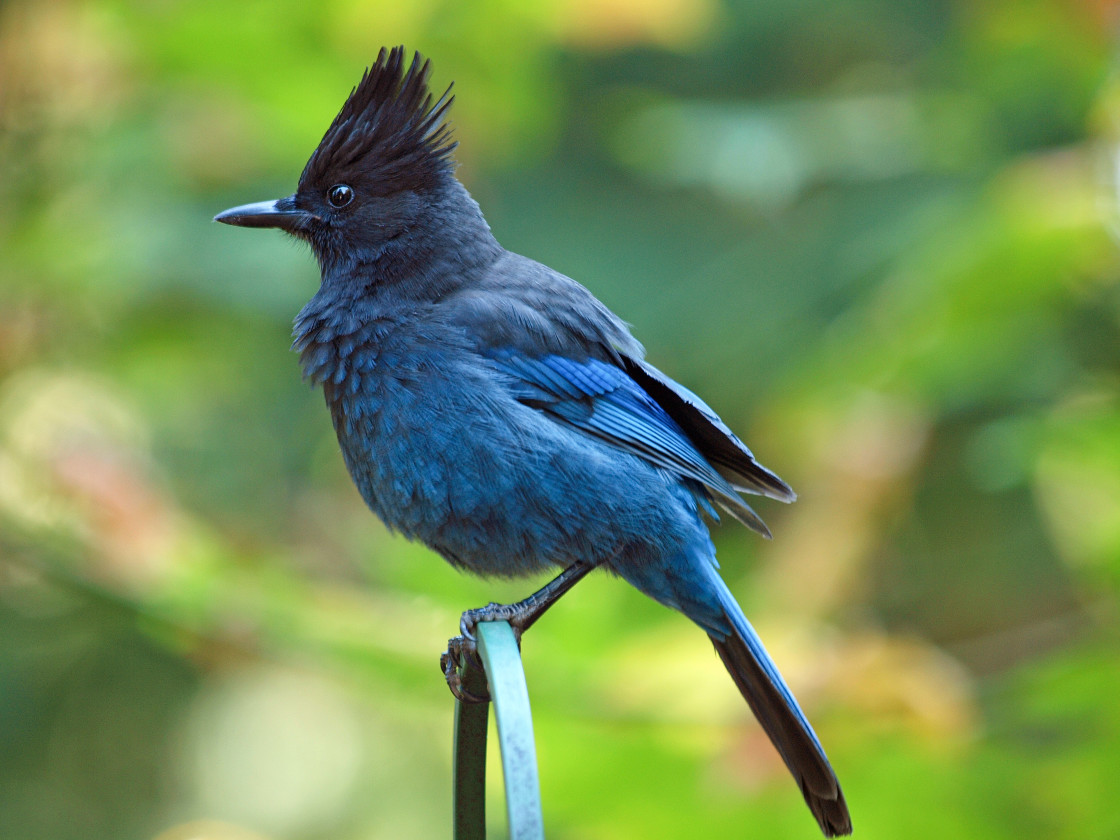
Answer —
504 678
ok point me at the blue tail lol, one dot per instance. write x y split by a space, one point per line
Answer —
777 711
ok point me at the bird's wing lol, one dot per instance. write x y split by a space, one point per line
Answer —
711 436
603 400
537 313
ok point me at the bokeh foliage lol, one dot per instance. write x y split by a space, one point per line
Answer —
878 237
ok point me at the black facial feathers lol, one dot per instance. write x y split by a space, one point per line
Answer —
389 135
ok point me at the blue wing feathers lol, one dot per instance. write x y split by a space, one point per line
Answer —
603 400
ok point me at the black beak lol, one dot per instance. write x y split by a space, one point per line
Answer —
281 213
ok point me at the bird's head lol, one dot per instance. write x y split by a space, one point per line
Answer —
373 175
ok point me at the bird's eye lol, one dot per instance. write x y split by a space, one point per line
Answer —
340 195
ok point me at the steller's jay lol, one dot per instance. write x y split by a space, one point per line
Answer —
493 409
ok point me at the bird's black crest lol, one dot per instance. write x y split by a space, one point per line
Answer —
389 136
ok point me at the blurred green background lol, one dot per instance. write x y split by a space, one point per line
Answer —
877 236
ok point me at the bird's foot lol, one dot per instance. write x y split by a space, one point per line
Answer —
461 654
462 651
460 662
519 616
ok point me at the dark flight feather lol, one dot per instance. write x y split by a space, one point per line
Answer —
712 437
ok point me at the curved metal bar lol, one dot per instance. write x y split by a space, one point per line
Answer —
505 680
501 657
469 748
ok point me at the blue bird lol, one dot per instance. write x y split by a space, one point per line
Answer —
493 409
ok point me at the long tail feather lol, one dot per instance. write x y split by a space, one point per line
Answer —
777 711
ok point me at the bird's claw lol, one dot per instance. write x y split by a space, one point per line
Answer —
463 650
514 614
460 652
